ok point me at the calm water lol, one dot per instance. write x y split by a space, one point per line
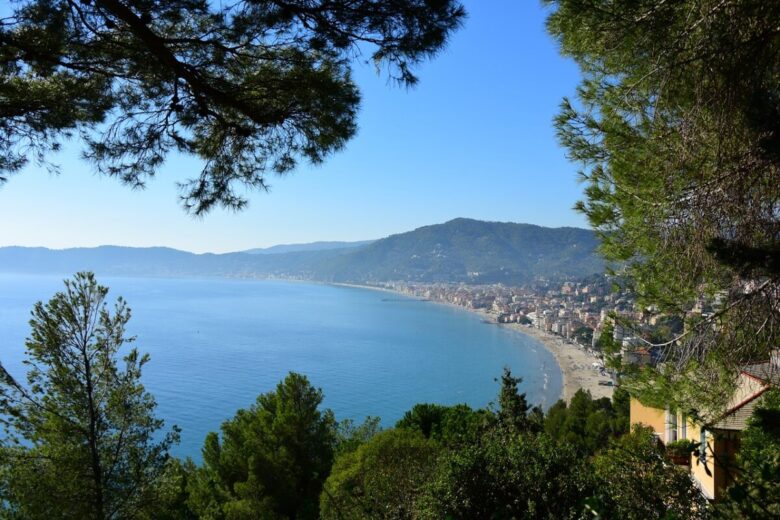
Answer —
217 344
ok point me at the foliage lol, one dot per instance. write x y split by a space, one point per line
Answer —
584 335
508 475
173 491
82 439
448 425
249 87
350 436
514 412
381 479
272 459
680 448
607 345
756 493
586 424
524 320
621 405
666 329
634 481
676 125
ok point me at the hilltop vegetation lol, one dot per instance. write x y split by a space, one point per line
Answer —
465 250
461 250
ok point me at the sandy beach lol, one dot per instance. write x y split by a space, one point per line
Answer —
575 363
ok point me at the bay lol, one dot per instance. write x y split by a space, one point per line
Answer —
216 344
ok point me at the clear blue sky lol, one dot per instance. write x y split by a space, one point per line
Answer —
474 139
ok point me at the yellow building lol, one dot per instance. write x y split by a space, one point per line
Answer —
712 465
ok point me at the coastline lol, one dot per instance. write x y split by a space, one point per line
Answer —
573 362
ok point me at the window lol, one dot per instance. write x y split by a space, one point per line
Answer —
703 445
671 425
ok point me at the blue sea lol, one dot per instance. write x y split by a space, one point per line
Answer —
216 344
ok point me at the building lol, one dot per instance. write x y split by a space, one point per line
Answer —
718 439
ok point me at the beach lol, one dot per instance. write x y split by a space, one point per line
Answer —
575 363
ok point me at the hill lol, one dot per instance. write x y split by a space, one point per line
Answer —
473 251
461 250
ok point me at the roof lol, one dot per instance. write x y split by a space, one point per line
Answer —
768 372
737 417
757 379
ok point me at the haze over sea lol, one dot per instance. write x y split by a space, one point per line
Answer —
216 344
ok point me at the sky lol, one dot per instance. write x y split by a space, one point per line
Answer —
474 139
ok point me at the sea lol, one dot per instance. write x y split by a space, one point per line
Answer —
216 344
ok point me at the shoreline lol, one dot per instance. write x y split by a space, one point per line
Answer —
573 362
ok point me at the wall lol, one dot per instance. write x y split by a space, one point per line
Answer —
655 418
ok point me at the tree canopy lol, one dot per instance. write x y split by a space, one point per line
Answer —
508 474
586 424
82 440
249 87
380 479
677 126
272 459
634 480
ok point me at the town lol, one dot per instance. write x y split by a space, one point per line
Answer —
580 312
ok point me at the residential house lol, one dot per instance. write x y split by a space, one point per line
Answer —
712 464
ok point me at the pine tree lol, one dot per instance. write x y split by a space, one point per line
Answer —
677 127
512 405
82 439
271 460
248 87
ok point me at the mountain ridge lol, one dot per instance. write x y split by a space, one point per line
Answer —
459 250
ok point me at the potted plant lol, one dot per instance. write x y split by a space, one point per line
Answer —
680 451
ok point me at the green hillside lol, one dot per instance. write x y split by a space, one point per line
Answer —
465 250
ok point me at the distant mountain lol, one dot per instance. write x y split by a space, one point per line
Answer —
465 250
461 250
313 246
161 261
